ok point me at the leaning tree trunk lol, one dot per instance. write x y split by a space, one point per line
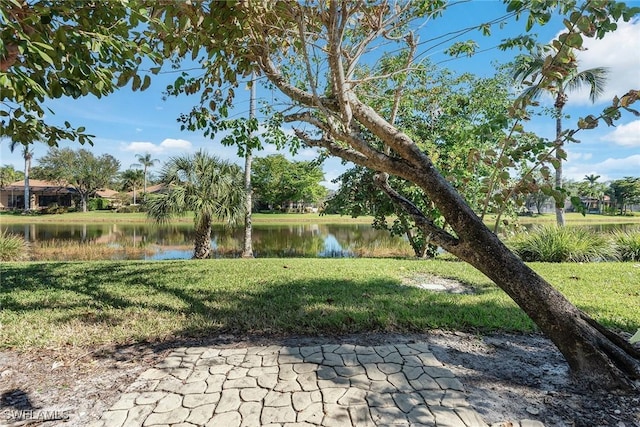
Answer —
596 356
202 246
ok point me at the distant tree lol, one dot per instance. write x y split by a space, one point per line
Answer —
277 182
529 69
593 190
203 184
80 169
625 192
146 162
9 174
131 179
591 179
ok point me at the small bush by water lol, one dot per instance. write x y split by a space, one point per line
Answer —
12 247
628 244
563 244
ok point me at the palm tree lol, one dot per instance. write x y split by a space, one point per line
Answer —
132 179
529 67
595 190
591 179
27 154
146 162
206 185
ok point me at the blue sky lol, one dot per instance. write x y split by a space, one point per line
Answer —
129 123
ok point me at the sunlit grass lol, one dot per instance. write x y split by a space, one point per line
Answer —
574 218
140 217
94 303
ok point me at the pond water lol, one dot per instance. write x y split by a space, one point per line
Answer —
148 241
72 241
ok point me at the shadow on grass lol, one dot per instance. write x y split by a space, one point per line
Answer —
183 300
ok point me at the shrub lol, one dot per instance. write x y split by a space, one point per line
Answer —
12 247
627 244
563 244
130 209
54 209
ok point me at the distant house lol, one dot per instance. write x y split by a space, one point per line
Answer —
42 194
151 189
111 197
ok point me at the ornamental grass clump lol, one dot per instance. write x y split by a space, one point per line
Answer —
627 244
563 244
12 247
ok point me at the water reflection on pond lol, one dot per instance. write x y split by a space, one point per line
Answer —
146 241
68 242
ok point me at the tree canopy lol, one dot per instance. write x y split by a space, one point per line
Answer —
54 49
278 182
316 54
80 169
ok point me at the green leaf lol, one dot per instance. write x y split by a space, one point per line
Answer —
136 83
574 40
146 82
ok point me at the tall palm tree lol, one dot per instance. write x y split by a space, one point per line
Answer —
595 190
528 68
205 185
27 154
146 162
132 179
592 179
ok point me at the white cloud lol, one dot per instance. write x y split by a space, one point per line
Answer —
618 51
142 147
165 146
573 156
176 144
611 168
627 135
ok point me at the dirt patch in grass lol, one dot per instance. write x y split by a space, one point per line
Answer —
507 377
438 284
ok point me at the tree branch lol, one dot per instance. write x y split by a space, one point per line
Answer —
432 232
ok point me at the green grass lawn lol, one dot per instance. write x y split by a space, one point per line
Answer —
574 218
93 303
113 217
282 218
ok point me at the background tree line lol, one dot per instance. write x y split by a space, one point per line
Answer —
279 184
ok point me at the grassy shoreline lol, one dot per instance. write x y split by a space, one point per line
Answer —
284 218
85 304
112 217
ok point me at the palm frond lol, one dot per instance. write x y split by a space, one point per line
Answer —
595 78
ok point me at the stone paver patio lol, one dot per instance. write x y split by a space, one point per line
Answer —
326 385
